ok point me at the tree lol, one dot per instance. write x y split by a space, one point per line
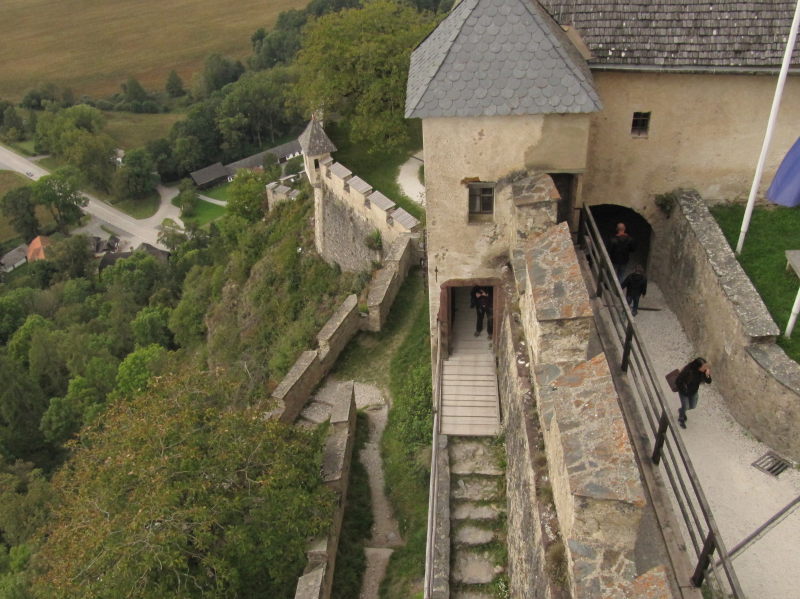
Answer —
65 415
247 195
92 154
20 209
187 198
15 305
370 93
272 169
20 343
254 109
218 71
187 154
133 90
22 404
139 275
13 127
138 368
60 193
53 129
151 327
136 178
178 494
73 257
174 85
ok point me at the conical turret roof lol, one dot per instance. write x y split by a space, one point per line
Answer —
314 140
498 57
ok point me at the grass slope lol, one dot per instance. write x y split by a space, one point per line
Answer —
773 230
93 46
131 130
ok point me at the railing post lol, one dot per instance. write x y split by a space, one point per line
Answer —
626 348
661 436
704 560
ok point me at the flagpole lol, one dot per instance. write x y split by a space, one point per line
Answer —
773 115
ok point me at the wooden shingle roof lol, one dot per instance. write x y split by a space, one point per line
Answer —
680 33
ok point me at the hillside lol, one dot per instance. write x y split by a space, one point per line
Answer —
92 46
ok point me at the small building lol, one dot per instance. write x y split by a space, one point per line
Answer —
36 248
157 253
209 176
14 259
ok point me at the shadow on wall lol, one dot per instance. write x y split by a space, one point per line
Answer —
608 215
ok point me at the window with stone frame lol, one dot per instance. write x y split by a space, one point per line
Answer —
640 125
481 201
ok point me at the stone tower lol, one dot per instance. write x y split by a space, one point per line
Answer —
316 146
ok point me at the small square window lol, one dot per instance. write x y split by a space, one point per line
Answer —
481 201
640 124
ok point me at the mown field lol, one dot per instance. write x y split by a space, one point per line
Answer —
93 46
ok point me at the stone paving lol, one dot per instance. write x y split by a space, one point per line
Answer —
477 512
722 451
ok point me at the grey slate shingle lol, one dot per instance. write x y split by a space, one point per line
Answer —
341 170
314 141
680 33
381 201
498 57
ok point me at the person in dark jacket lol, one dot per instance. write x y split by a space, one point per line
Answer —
481 299
688 383
620 248
635 286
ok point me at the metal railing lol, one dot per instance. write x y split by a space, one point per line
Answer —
433 489
669 450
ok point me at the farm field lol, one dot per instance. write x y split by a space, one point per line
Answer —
93 46
131 130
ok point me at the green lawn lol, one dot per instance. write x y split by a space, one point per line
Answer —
220 192
204 213
144 208
773 230
379 170
131 130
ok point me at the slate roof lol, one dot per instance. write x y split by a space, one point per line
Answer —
314 141
675 33
209 174
10 260
498 57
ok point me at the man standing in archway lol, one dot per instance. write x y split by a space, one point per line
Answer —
620 249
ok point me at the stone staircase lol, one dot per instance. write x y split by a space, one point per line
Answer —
477 517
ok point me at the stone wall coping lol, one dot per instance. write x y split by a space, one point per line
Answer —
349 304
360 185
557 285
753 314
341 171
310 585
381 201
597 451
342 408
295 373
534 190
774 360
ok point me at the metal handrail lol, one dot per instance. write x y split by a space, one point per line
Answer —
433 486
669 450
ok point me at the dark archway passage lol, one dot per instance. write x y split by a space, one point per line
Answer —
608 215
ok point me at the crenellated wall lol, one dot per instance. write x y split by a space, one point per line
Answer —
725 318
348 211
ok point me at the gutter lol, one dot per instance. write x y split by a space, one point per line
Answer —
692 70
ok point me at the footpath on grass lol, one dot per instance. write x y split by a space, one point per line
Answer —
742 498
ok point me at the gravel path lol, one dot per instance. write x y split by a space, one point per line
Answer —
741 497
385 530
408 179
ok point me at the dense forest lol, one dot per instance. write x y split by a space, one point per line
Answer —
135 459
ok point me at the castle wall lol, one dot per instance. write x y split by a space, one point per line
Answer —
723 315
344 233
706 133
491 149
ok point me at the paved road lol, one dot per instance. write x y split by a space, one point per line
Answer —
130 228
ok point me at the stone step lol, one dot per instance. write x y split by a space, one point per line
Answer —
467 534
466 594
469 510
476 489
472 568
473 457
